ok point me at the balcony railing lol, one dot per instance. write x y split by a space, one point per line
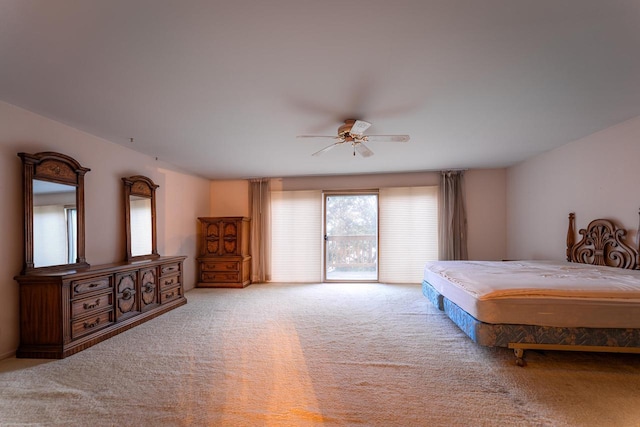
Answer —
352 254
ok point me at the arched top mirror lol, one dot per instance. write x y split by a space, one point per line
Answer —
53 186
140 218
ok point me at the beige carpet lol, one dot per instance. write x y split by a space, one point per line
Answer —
330 354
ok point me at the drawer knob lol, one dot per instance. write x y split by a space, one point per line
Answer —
88 306
88 325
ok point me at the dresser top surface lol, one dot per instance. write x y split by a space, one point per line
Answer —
103 268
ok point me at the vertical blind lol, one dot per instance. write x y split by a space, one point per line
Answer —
141 226
408 234
296 236
72 233
49 236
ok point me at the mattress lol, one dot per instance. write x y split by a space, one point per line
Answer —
545 293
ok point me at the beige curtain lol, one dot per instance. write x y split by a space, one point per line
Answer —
260 207
452 217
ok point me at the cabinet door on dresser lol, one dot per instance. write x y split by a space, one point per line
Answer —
224 236
220 237
148 288
211 238
229 238
127 304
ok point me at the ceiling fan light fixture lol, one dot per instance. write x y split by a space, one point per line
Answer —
352 131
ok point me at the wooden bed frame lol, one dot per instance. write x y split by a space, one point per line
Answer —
603 244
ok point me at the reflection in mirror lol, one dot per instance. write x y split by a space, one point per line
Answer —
140 218
55 224
53 186
141 240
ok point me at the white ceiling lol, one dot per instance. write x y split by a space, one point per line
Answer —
221 88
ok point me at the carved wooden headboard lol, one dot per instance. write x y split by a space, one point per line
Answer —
602 244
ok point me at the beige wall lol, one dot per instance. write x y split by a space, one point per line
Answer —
595 177
485 194
230 198
22 131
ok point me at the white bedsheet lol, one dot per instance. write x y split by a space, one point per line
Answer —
543 293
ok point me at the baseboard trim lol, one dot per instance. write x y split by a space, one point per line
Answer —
8 355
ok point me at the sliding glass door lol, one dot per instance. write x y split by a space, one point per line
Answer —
351 237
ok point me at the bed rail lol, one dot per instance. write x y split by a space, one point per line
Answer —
519 348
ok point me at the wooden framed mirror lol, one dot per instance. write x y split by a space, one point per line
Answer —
53 185
140 218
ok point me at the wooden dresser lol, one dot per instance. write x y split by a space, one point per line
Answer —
224 259
64 312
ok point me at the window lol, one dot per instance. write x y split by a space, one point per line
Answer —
408 234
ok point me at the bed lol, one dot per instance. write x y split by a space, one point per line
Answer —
591 302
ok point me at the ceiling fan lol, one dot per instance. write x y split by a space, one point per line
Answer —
352 131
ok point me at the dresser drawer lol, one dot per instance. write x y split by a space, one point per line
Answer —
220 277
79 287
168 282
91 324
87 305
220 265
170 294
168 269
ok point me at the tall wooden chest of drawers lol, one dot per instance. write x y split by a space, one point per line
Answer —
224 259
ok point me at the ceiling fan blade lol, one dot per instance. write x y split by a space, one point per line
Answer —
386 138
363 150
317 153
359 127
318 136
